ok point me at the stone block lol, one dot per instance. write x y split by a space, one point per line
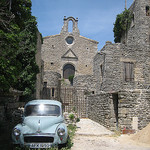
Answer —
135 123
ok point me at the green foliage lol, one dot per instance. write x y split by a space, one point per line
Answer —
71 79
71 133
122 24
71 116
18 39
78 120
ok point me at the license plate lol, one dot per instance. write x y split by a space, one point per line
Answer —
40 145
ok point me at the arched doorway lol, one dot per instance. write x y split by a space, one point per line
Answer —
68 70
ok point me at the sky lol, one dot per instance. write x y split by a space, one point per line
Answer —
96 18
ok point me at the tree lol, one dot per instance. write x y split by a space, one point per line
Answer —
18 39
122 24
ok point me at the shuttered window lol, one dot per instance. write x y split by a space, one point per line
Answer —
128 68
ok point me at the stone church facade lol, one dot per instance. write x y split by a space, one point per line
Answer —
67 54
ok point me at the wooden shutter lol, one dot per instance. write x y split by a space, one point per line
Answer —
128 67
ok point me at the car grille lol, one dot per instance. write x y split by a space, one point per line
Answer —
38 139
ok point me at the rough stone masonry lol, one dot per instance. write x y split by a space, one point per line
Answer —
117 78
123 71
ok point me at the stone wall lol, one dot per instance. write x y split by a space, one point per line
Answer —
52 85
8 104
109 62
53 56
138 34
101 109
8 118
51 78
98 69
119 109
134 103
86 81
138 44
110 71
108 68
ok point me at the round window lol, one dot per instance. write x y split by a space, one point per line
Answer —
69 40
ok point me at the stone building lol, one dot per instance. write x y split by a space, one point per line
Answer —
122 71
115 82
67 54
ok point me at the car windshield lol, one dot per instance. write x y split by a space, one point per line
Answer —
42 110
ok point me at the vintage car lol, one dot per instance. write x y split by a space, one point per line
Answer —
42 125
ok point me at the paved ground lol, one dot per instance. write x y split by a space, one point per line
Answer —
92 136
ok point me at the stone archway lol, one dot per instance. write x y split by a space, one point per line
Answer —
68 70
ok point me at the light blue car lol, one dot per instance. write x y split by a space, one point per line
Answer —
42 127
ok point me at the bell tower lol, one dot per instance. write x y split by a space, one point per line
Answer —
74 21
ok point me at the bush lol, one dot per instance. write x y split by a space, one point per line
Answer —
78 120
71 116
71 79
122 24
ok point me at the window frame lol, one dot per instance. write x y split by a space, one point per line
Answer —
147 10
128 71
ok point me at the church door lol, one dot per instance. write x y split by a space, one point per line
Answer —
68 70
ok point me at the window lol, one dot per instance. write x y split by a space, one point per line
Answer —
52 92
133 18
132 22
102 70
128 69
45 84
68 70
70 26
42 110
69 40
147 11
93 92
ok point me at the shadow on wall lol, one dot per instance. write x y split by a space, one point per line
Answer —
5 136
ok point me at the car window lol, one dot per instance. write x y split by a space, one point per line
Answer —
42 110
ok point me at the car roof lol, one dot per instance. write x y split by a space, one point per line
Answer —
44 101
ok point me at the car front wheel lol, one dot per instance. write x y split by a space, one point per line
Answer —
68 144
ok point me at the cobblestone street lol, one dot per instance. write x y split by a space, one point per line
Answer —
92 136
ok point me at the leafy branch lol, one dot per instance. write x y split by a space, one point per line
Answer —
122 24
18 40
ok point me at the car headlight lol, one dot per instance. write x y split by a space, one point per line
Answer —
61 131
16 132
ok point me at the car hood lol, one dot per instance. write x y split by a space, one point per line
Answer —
41 124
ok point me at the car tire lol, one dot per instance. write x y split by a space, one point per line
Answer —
14 147
60 146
